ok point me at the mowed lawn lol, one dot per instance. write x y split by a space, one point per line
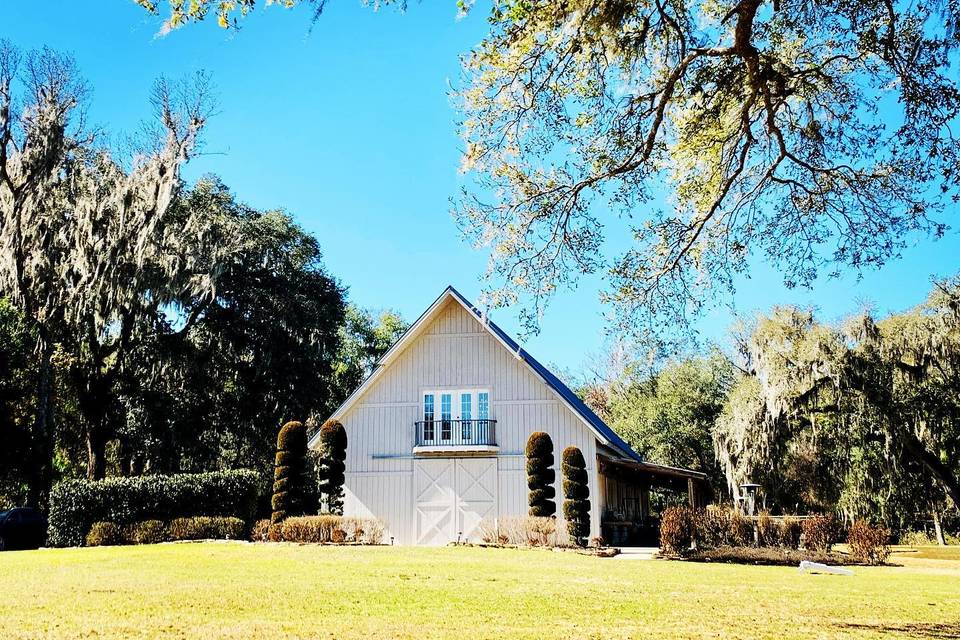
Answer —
237 590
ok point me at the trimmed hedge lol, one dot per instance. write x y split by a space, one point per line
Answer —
146 532
104 534
156 531
76 504
540 475
330 529
576 492
207 528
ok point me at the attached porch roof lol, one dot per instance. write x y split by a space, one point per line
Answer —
659 473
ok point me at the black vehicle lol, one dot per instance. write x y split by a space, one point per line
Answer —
22 528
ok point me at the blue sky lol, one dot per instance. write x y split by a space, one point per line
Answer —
350 128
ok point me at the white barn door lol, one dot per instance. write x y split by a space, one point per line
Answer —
452 496
476 493
434 496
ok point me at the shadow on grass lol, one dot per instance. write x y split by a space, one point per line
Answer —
911 630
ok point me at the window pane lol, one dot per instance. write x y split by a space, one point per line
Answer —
466 414
446 411
483 405
428 407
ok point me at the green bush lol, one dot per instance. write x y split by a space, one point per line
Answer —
331 467
540 475
289 494
678 529
819 533
576 504
146 532
207 528
868 544
104 534
76 504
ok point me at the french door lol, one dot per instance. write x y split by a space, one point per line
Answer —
456 416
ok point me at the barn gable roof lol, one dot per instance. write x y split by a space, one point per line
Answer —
604 433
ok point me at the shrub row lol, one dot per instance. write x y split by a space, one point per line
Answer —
714 527
682 529
325 529
155 531
76 504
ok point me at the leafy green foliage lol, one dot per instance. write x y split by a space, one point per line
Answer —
18 460
576 492
331 467
668 416
76 504
289 481
540 475
364 338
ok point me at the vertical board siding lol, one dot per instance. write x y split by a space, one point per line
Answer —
454 351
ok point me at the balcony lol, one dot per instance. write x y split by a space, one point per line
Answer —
452 436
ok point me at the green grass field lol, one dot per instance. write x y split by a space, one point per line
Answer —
236 590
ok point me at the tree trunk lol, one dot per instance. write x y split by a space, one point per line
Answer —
96 452
938 528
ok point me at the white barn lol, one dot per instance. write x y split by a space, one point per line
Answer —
437 434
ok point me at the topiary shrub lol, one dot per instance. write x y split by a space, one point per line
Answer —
76 504
576 492
146 532
207 528
868 544
331 467
819 532
104 534
677 530
540 475
289 495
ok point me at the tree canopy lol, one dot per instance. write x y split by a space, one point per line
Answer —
816 135
864 415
